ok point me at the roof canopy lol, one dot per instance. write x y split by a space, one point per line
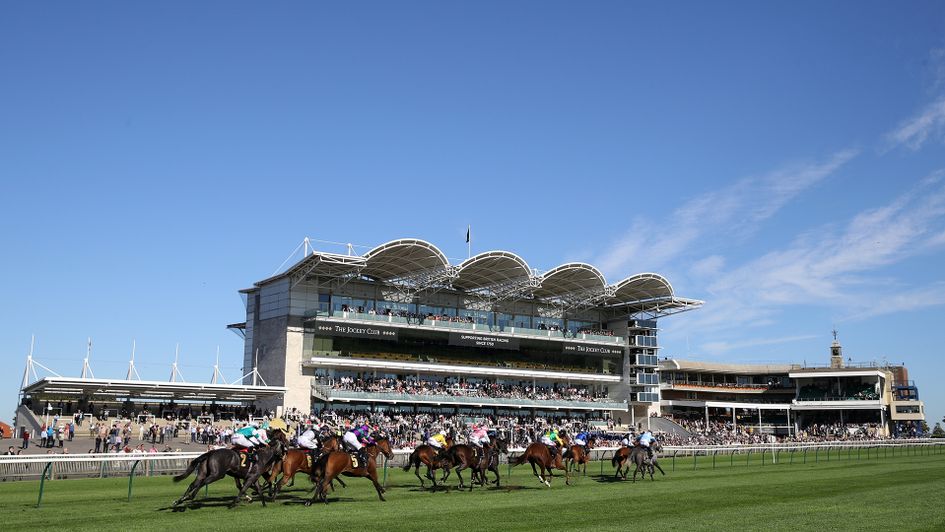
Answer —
573 277
643 286
403 257
490 269
498 274
66 387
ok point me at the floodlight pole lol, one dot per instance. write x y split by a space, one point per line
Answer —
131 363
86 368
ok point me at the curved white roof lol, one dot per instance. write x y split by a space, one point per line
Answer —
410 259
401 257
640 287
489 269
570 278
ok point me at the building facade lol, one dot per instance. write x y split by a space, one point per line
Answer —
400 328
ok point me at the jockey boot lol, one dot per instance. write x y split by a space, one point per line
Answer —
362 457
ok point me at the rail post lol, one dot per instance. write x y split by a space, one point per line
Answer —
42 482
858 448
674 459
695 455
763 457
792 457
732 460
714 452
805 455
385 472
748 459
131 477
816 454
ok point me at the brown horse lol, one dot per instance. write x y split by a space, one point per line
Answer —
297 460
490 460
620 458
335 463
576 456
538 454
427 455
459 457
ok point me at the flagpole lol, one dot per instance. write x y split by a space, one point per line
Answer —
468 241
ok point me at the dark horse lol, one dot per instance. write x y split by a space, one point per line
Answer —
490 459
426 455
297 460
335 463
538 454
213 465
462 456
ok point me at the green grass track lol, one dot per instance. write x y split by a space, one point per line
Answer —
844 493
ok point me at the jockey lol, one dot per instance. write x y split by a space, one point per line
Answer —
247 438
438 441
628 440
479 437
355 439
309 440
645 440
551 440
581 439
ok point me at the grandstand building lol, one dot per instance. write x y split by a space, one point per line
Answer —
785 399
400 328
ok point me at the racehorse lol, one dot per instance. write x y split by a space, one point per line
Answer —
575 456
297 460
639 457
211 466
335 463
490 459
426 455
538 454
621 456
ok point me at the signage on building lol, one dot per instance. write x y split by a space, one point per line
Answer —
356 331
570 348
483 340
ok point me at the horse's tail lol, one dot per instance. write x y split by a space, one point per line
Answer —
410 461
190 468
519 460
615 458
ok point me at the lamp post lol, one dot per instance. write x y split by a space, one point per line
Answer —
48 410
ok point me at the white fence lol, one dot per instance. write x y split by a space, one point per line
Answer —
60 466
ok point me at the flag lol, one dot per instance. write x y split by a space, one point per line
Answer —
468 227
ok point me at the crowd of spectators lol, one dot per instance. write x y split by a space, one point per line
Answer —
458 388
407 430
724 432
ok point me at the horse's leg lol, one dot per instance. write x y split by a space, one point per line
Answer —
459 473
321 489
377 486
657 466
416 471
535 471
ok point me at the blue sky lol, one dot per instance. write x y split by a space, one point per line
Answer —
782 162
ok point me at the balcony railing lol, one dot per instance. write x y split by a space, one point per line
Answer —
382 397
479 327
726 386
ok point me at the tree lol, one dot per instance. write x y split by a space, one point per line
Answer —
937 432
